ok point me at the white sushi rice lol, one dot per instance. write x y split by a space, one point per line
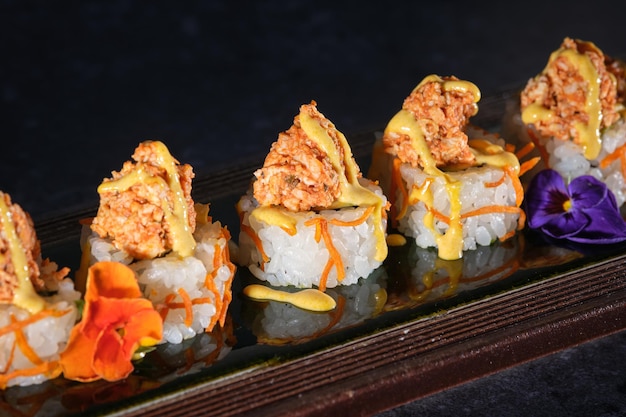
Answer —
299 260
46 337
567 158
480 230
167 275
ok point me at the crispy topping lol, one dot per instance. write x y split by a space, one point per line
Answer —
297 173
146 208
25 230
579 87
441 107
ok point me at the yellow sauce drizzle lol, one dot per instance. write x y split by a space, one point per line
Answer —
176 217
309 299
588 134
275 216
395 239
449 243
25 295
352 193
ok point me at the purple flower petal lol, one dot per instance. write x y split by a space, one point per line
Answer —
587 191
544 198
566 225
606 225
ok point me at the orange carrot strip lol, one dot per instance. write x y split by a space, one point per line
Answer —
619 153
228 297
26 349
257 241
509 147
397 179
525 150
209 283
517 185
187 303
356 222
334 258
32 319
490 210
542 150
315 221
528 165
496 183
166 308
217 254
50 369
334 254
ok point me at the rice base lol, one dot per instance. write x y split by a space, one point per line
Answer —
475 193
46 338
163 279
300 260
568 159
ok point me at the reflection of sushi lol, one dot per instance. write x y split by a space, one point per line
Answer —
310 219
452 186
148 220
420 276
573 111
37 303
278 323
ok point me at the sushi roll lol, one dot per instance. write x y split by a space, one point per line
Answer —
37 303
573 112
147 220
452 185
310 218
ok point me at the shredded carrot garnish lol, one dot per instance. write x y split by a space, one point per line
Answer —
542 150
491 209
517 185
209 283
525 150
32 319
217 255
397 179
528 165
509 147
187 303
166 308
334 258
26 349
51 369
257 241
363 218
496 183
619 153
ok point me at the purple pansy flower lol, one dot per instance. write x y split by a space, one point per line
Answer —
585 211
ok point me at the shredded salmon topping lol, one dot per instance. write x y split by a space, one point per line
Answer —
42 273
297 174
134 218
562 89
442 116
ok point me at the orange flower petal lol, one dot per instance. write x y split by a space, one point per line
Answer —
111 279
110 360
116 320
75 359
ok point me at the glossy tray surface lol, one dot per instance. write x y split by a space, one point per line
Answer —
512 302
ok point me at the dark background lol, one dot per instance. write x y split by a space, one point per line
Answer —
82 83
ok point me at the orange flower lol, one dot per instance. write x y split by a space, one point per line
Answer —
116 321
